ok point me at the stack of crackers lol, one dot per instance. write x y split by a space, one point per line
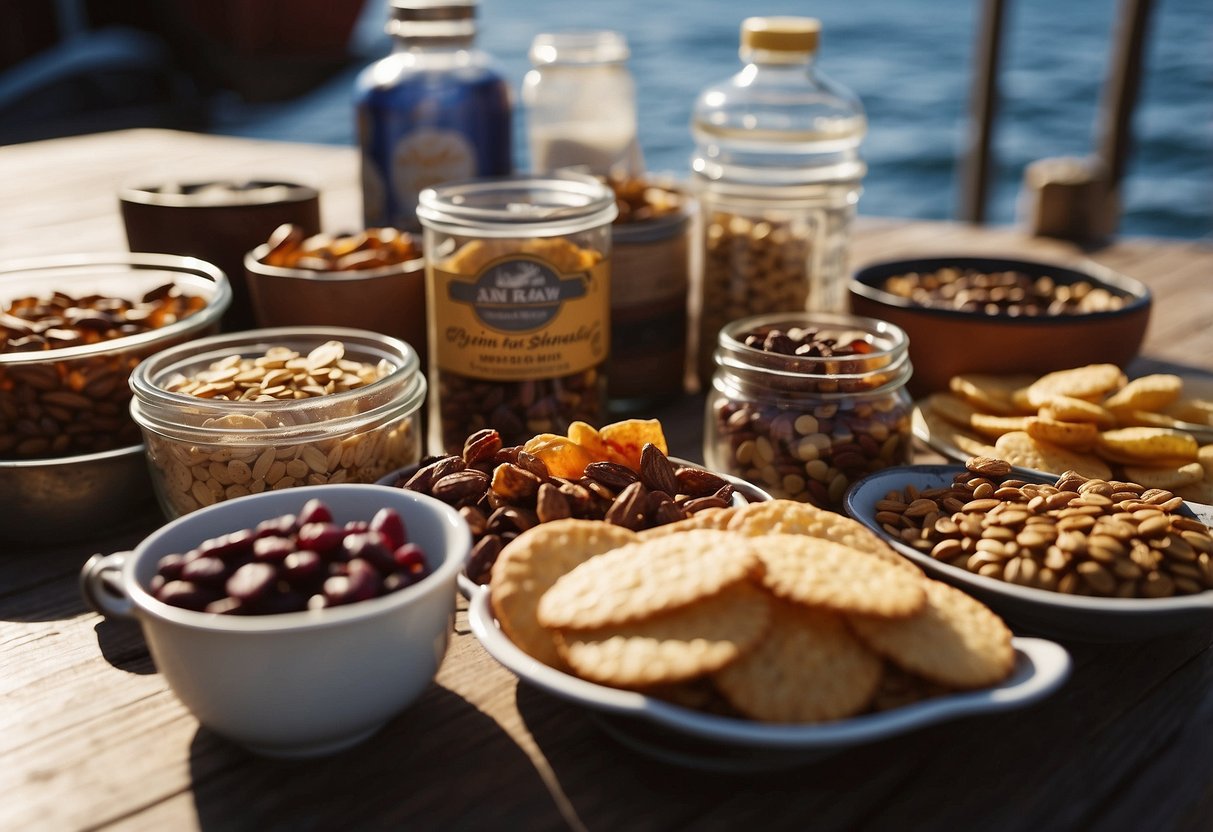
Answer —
775 611
1090 419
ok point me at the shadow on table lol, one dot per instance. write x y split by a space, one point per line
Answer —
122 645
442 764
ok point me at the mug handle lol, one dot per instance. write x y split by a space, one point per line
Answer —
101 588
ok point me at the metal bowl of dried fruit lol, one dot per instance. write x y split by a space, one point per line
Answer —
1002 315
72 328
1166 565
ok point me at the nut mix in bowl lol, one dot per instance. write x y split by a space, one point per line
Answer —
276 408
373 279
620 474
1003 315
71 330
804 404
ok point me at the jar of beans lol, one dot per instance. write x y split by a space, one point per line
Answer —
268 409
518 290
804 404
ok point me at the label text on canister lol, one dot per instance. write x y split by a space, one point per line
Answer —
520 318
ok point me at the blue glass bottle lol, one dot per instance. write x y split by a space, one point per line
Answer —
435 110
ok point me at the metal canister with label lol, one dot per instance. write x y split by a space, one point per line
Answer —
518 296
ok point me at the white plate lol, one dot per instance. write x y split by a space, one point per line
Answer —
1054 614
685 737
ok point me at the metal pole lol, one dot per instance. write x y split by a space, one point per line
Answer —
1120 97
983 102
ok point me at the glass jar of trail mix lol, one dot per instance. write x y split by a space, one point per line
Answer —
518 298
802 405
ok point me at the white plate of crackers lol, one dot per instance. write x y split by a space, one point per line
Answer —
1058 612
749 637
1156 430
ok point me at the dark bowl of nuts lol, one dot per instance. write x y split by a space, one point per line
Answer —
1071 557
1001 316
71 331
295 623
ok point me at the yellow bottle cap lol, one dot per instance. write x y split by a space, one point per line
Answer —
780 34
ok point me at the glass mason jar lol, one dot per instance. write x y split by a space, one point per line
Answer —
518 304
203 450
804 427
777 171
580 100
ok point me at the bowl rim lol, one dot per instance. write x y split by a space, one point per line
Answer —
148 607
216 304
285 191
256 269
864 279
69 461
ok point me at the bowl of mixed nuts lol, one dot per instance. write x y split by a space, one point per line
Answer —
620 473
72 328
999 315
1073 557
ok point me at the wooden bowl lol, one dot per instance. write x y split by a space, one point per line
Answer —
946 342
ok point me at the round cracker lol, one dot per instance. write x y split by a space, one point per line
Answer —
953 408
708 518
1169 477
1146 444
1091 382
673 646
1078 436
529 565
956 640
648 577
1070 409
991 394
820 573
809 668
1018 448
995 426
1152 392
791 517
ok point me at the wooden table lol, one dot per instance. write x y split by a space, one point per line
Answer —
91 737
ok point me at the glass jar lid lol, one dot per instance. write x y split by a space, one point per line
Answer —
518 206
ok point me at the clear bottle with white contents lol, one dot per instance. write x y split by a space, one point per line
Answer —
580 101
777 171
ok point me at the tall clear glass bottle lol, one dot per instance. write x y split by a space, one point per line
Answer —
435 110
777 171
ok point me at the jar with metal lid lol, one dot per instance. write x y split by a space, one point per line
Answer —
777 171
518 300
804 404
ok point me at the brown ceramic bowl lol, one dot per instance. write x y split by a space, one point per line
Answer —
945 342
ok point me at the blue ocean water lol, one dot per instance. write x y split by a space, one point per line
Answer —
911 63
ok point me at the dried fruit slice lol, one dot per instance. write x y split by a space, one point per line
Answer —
563 457
625 440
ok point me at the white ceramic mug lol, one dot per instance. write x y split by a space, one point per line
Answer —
295 684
